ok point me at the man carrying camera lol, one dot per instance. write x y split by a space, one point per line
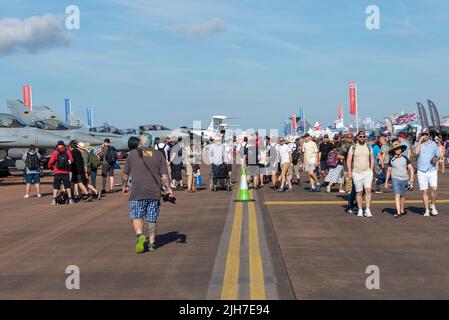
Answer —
148 171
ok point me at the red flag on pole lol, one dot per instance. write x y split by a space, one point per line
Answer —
340 112
353 98
27 97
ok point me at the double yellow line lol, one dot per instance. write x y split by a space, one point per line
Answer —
230 290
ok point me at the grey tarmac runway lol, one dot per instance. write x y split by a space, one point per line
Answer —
281 246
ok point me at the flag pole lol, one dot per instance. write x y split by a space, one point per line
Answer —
356 108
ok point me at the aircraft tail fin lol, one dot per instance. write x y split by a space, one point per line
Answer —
28 116
19 110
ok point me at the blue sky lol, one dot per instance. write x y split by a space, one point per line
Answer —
165 61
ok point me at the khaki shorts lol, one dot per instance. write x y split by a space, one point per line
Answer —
253 171
293 170
309 167
189 169
284 168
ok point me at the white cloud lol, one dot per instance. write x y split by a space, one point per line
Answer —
32 34
200 30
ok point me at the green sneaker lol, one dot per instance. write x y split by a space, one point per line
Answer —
140 246
152 247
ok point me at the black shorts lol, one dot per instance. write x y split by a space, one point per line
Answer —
63 178
107 170
323 165
79 178
229 167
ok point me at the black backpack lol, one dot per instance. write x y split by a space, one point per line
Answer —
32 162
111 156
62 198
62 160
162 150
295 156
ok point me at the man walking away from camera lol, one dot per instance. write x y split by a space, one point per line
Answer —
110 157
148 170
79 179
60 162
84 149
32 160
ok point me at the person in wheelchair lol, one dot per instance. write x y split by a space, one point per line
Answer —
220 170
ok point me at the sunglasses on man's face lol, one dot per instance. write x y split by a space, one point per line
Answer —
362 137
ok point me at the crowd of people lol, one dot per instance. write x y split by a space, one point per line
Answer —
154 169
354 163
75 170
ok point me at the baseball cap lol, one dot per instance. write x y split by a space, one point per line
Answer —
60 143
326 136
425 131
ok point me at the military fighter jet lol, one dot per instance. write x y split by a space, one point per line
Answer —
119 138
16 137
45 118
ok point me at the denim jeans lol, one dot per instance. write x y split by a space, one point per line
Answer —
352 197
93 178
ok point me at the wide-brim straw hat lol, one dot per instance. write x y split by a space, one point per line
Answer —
396 146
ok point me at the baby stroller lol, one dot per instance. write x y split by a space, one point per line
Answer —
219 178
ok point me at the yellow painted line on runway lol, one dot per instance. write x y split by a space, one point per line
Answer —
231 276
256 275
341 202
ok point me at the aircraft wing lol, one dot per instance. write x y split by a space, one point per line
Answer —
7 141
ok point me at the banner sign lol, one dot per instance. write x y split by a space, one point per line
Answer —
27 97
68 109
301 120
434 115
90 121
353 98
423 115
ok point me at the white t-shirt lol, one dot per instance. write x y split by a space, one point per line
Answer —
228 154
216 153
283 152
292 146
310 152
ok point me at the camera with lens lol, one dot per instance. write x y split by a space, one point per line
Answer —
168 198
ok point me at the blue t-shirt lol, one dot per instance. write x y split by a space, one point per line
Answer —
376 151
405 143
428 151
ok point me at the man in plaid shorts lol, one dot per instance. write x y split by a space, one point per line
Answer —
147 169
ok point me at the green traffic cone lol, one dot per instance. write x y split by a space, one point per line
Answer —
243 192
